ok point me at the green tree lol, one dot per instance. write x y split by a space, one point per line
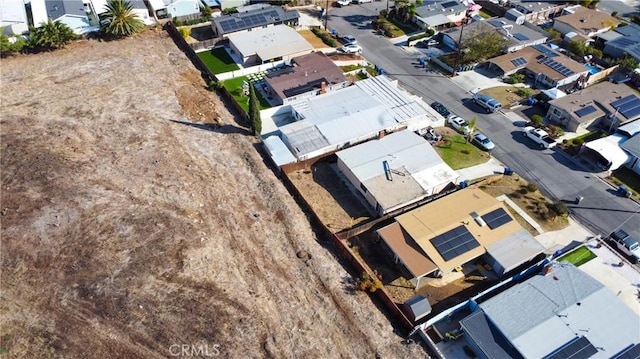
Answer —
481 44
10 45
472 128
577 48
626 62
121 20
207 12
50 35
254 112
516 78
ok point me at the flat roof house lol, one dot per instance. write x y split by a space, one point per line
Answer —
273 43
261 16
395 171
316 126
560 313
605 102
584 22
517 36
550 68
305 76
439 14
454 230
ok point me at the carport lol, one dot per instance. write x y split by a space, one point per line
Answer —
607 152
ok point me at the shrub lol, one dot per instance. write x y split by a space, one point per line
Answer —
555 131
325 37
427 33
560 208
207 12
184 32
366 282
524 190
523 92
516 78
537 120
578 141
532 187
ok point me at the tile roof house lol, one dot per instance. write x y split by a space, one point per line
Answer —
455 229
604 103
253 18
306 76
263 45
584 22
560 313
517 36
550 68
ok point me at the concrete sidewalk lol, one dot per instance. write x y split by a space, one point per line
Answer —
491 167
555 240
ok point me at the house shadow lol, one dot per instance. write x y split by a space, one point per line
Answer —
215 127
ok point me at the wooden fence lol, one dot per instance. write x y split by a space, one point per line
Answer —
206 44
188 17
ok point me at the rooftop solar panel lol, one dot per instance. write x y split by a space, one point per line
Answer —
633 352
628 106
496 23
578 349
454 243
449 4
585 111
520 36
623 100
519 61
496 218
544 50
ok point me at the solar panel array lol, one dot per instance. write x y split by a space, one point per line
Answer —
520 36
544 50
585 111
450 4
579 349
454 243
497 218
519 61
558 67
239 22
628 106
496 23
630 353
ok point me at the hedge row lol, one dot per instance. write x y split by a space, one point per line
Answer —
325 37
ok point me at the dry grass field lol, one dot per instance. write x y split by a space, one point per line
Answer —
137 215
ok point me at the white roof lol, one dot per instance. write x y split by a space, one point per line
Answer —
515 249
12 11
609 148
631 129
155 4
416 168
271 42
554 93
278 151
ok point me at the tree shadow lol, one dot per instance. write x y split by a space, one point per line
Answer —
215 127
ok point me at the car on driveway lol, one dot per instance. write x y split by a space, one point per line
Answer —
441 109
459 124
487 102
351 49
349 40
482 141
342 3
626 244
539 136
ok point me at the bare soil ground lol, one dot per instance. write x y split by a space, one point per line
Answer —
315 41
130 223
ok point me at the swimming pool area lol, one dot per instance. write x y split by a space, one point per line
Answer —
592 69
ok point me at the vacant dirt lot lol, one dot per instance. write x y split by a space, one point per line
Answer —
130 224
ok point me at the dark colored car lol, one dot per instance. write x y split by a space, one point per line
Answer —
441 109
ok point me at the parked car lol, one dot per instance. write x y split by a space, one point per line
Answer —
487 102
539 136
441 109
361 1
482 141
351 49
349 40
626 244
342 3
459 124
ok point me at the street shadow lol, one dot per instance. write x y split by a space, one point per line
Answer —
468 103
520 138
568 162
361 22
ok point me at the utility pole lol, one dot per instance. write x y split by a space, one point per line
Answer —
455 65
387 11
326 16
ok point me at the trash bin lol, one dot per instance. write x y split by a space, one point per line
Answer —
508 171
421 61
579 199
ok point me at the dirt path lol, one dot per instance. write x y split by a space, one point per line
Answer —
130 225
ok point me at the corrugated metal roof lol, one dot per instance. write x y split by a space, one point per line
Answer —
280 154
547 311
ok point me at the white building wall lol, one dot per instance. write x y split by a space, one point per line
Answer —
562 27
39 12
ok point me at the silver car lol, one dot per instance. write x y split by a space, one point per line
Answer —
483 141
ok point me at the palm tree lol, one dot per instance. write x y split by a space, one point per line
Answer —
120 20
51 35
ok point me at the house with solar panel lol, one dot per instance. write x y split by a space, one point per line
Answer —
604 104
548 67
253 17
395 171
622 148
453 231
517 36
437 15
268 44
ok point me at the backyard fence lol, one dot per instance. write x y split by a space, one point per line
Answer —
249 70
206 44
601 75
191 17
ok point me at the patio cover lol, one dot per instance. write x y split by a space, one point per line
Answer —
554 93
609 148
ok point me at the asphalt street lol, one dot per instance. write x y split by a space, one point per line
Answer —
557 175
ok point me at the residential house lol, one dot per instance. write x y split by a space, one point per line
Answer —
549 68
76 14
262 16
439 14
138 8
307 75
395 171
317 126
624 40
517 36
560 313
605 104
456 229
535 12
581 23
612 152
175 8
268 44
226 4
13 17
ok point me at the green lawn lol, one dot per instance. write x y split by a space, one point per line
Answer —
458 153
578 257
234 86
218 60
